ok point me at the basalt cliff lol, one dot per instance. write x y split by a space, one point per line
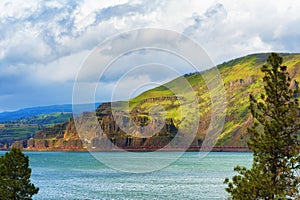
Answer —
142 125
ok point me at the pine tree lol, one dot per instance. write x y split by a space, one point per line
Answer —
15 177
273 140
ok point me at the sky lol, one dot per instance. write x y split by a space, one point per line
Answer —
44 44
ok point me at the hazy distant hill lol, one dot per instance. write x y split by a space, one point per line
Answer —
24 123
28 112
25 128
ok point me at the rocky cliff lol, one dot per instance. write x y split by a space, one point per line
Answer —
57 137
137 127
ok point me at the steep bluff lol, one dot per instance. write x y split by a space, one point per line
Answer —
141 131
138 128
59 136
64 136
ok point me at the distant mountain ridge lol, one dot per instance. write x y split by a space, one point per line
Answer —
24 123
34 111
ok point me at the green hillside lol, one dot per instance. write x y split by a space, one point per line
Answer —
44 119
26 127
240 76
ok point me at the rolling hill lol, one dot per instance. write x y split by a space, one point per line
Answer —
25 128
241 77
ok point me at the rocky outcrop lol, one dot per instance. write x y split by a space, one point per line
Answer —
118 129
241 82
159 99
58 137
137 131
295 86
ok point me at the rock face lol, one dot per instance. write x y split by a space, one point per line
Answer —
241 82
164 98
133 132
118 130
60 136
295 86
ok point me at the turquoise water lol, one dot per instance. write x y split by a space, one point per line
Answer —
80 176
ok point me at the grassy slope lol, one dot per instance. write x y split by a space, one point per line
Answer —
45 119
26 127
241 77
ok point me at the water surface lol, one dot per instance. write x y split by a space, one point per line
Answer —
61 175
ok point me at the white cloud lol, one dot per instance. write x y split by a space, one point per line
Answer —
16 9
26 48
85 13
61 70
47 41
237 28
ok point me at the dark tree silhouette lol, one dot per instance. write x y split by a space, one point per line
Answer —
15 177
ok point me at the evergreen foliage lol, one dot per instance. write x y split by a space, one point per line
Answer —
273 140
15 177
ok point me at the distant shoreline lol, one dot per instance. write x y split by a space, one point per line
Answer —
147 149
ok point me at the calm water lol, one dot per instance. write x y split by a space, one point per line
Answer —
80 176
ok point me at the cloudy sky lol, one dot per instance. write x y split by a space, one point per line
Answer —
43 44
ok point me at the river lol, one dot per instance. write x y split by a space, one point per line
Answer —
64 175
